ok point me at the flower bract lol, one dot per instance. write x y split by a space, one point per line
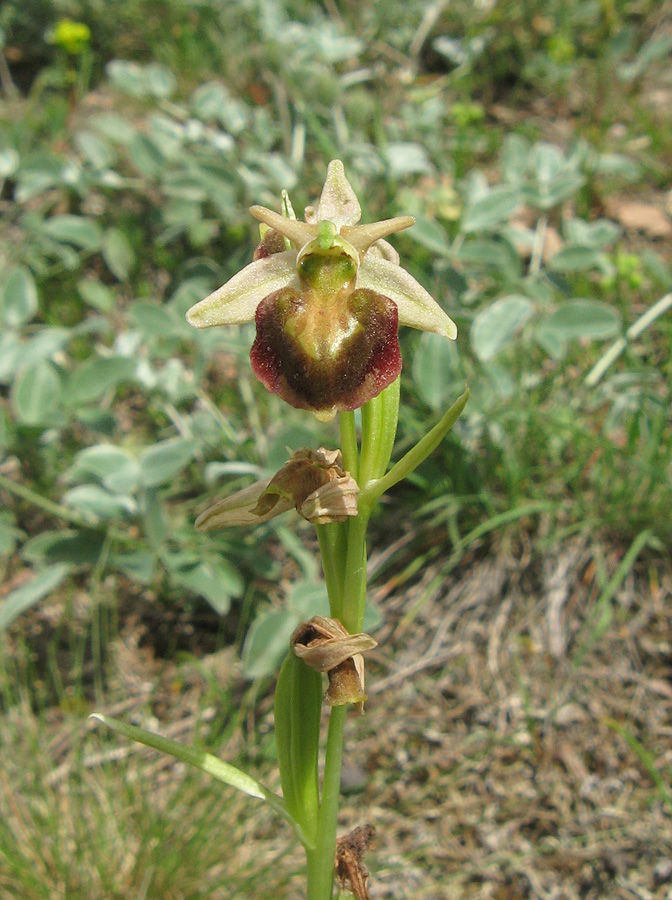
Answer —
327 296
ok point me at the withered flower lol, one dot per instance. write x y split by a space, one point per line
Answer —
325 645
312 481
327 296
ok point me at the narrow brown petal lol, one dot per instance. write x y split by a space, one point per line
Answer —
299 233
362 236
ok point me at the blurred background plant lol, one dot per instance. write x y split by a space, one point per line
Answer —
532 143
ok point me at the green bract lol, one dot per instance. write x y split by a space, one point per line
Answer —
326 310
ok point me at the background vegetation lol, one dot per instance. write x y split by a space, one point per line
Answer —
533 144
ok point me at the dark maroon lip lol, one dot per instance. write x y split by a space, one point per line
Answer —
343 371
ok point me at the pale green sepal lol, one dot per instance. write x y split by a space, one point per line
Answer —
371 492
338 202
299 233
206 762
417 308
298 704
236 301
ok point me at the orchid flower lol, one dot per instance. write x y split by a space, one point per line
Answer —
327 296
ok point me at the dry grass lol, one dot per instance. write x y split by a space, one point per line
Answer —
487 759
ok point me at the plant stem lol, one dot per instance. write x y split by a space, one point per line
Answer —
354 594
343 549
321 859
54 509
332 540
349 444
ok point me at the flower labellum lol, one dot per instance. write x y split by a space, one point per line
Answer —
313 482
328 308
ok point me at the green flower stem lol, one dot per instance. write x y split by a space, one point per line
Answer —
354 594
333 550
372 414
349 444
321 859
343 549
379 429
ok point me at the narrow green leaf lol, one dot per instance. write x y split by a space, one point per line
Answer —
29 594
415 455
206 762
154 520
645 757
9 534
602 613
298 704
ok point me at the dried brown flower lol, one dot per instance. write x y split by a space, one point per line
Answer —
325 645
